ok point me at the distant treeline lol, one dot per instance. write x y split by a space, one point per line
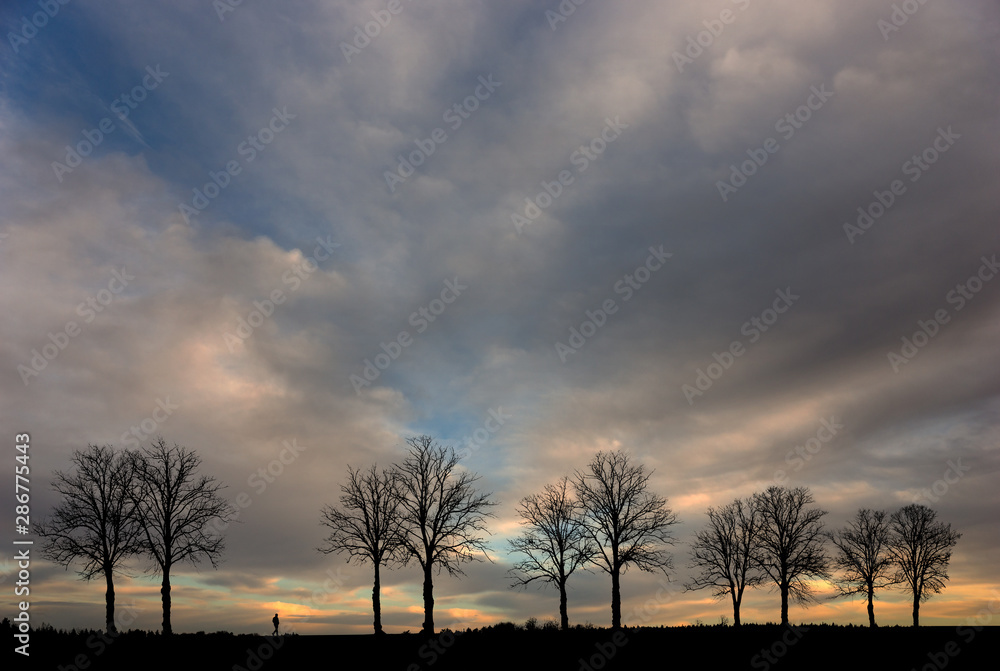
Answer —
509 646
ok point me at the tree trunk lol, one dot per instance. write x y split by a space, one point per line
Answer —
736 610
165 593
784 605
109 596
916 611
377 602
616 600
871 608
563 614
428 601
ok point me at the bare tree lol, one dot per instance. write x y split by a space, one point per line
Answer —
863 556
920 548
790 548
626 522
367 526
554 541
443 515
723 552
176 508
95 522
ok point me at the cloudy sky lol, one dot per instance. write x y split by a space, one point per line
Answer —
631 226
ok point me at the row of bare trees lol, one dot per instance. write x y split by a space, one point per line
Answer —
153 503
425 509
604 516
777 536
120 505
908 548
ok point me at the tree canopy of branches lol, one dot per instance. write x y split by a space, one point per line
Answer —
628 524
443 516
95 522
553 542
790 547
863 557
175 507
368 525
920 548
723 553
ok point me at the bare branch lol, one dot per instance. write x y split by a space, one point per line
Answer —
367 526
554 541
626 522
95 522
176 506
443 516
863 554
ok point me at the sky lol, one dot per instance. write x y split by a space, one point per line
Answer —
750 243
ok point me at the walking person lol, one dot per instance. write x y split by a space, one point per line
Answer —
274 620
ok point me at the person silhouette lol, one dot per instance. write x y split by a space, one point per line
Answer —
274 620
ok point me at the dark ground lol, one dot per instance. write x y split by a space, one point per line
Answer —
759 647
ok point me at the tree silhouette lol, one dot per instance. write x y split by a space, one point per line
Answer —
175 508
554 541
724 553
368 526
790 547
920 549
626 522
95 522
443 515
863 556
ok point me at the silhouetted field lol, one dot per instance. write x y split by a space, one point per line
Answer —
759 647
